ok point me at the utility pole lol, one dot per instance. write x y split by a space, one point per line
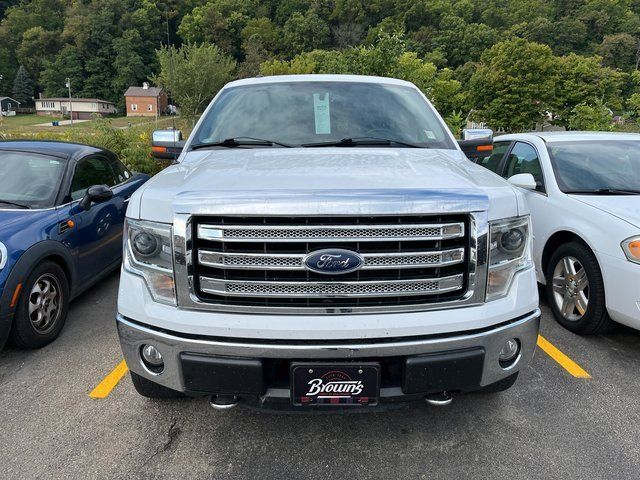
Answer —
1 119
68 85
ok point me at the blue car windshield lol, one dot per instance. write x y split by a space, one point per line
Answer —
29 179
302 113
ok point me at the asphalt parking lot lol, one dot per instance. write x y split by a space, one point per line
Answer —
555 423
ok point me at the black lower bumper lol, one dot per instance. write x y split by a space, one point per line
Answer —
458 371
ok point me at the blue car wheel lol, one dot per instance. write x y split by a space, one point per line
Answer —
42 308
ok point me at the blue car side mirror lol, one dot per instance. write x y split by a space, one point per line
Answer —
97 194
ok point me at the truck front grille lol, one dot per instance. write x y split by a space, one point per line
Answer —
259 261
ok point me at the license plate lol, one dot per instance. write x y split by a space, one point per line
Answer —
335 384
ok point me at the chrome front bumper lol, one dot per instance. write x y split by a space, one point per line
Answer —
133 336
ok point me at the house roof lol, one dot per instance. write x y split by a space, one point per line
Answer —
9 98
74 99
142 92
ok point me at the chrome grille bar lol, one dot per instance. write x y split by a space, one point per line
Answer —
393 288
372 261
322 233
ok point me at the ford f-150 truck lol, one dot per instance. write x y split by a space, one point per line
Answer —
322 242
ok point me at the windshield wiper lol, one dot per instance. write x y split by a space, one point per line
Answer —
361 141
606 191
241 142
20 205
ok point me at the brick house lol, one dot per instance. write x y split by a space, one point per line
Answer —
83 108
145 101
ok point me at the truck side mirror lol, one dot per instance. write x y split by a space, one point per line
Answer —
477 133
166 144
97 194
523 180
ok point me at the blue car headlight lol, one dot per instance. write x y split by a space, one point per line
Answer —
3 255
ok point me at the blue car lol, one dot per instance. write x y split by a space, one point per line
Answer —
62 209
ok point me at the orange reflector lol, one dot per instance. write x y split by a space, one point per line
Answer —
16 295
484 148
634 249
159 149
71 223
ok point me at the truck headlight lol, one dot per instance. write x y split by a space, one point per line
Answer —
631 248
148 252
509 252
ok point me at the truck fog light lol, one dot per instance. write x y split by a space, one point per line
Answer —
509 352
152 358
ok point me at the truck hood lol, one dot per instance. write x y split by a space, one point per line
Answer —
329 181
625 207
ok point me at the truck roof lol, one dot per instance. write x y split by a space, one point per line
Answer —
318 78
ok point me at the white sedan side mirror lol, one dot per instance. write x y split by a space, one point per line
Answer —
523 180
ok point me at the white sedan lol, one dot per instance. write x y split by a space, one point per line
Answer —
583 189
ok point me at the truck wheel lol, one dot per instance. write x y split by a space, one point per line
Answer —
42 307
501 385
150 389
575 290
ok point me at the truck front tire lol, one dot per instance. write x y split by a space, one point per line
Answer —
150 389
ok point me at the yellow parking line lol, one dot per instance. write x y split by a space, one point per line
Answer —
110 381
565 362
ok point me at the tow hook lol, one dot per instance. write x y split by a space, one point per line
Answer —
223 402
441 399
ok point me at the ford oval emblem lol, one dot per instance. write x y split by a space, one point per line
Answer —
333 261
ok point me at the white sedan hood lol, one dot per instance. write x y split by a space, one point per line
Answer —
625 207
329 181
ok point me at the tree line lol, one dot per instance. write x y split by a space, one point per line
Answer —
510 63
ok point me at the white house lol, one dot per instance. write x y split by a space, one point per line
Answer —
83 108
8 106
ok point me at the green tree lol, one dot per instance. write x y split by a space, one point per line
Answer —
23 87
514 86
37 45
595 116
67 64
261 31
461 41
128 63
221 22
582 80
305 32
633 106
619 51
193 74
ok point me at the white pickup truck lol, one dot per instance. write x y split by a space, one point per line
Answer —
322 242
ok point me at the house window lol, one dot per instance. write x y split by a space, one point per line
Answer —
134 107
150 107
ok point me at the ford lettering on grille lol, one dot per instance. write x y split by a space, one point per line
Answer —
333 261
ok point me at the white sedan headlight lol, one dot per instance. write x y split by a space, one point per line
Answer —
631 248
509 252
148 252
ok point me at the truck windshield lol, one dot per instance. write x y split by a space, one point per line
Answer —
302 113
597 167
30 180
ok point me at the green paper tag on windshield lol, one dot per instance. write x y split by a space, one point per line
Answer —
322 114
